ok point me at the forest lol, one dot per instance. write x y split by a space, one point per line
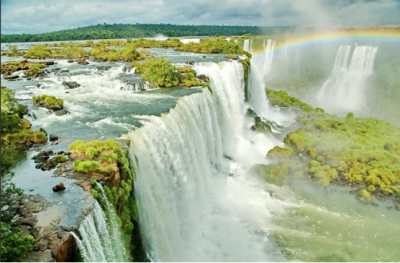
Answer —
115 31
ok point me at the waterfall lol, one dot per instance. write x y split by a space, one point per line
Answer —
246 45
268 56
190 209
344 89
101 241
258 98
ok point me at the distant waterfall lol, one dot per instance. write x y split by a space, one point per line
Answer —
246 45
344 90
268 56
190 209
101 241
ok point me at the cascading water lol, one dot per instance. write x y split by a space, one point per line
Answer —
246 45
101 240
268 56
190 209
344 90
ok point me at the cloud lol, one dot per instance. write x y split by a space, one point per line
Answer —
37 16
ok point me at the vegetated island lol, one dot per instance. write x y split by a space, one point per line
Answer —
363 153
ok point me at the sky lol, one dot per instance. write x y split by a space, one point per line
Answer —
39 16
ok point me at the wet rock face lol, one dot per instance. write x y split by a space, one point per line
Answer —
71 84
53 240
11 76
61 112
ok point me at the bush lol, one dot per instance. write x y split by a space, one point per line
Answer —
109 158
73 146
159 72
14 245
86 166
111 144
60 158
91 152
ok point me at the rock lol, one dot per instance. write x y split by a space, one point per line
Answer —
204 56
82 62
125 69
103 68
11 76
87 186
28 78
49 164
190 62
59 187
42 130
203 78
66 245
53 137
70 61
71 84
64 70
40 256
60 152
61 112
39 166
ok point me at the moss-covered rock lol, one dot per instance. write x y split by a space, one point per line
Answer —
49 102
272 173
281 152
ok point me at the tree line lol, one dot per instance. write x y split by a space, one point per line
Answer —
116 31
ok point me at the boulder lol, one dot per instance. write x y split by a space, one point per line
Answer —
64 248
53 137
40 256
82 62
59 187
49 164
70 61
11 76
71 84
203 78
61 112
43 156
103 68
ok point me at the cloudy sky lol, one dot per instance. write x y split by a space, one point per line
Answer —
38 16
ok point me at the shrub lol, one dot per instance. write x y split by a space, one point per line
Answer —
111 144
107 170
73 146
86 166
159 72
109 158
60 158
91 152
14 245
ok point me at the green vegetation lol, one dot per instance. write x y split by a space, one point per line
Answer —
159 72
362 152
86 166
212 45
112 162
48 101
14 128
60 158
14 245
115 31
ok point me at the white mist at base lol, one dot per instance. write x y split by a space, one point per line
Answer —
344 91
190 209
101 241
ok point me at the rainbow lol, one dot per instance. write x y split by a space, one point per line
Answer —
370 36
